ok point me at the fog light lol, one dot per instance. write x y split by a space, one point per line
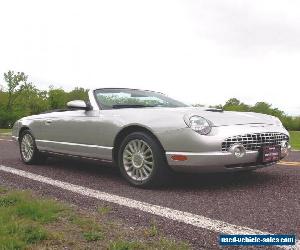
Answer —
238 150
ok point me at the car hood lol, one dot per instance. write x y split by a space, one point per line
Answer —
225 118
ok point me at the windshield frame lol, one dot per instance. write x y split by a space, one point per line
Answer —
161 95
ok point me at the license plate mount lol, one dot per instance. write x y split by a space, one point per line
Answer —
271 153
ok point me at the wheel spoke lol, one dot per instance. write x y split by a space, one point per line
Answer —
139 145
148 168
144 172
147 151
148 162
135 143
130 146
143 147
135 172
141 174
128 152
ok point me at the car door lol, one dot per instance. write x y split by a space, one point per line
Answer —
76 132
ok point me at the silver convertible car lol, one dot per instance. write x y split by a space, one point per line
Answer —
149 135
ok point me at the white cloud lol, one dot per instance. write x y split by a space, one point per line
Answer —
249 24
197 51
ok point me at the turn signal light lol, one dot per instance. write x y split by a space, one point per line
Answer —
179 157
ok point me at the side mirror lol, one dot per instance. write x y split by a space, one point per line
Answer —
79 104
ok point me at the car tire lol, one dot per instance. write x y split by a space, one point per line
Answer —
28 150
142 161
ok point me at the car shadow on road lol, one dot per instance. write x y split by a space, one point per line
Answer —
84 166
109 173
223 180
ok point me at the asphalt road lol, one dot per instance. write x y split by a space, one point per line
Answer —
267 199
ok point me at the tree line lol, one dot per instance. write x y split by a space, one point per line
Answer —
19 98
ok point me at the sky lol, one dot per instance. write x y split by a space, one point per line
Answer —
197 51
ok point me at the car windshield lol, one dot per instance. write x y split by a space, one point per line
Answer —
133 98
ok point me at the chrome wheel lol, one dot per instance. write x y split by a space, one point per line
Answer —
27 147
138 160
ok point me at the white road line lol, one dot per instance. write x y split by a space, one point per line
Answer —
176 215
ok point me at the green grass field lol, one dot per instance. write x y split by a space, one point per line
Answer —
295 139
28 221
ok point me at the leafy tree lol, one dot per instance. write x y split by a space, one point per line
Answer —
234 104
57 98
3 99
19 98
32 101
16 84
78 94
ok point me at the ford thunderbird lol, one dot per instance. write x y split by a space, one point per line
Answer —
149 135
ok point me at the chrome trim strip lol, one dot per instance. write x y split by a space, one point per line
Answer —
192 153
76 156
75 144
206 153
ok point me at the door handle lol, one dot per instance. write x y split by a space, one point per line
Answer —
48 122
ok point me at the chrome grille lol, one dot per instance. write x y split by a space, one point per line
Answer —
255 141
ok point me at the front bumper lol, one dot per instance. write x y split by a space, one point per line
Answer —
216 161
199 153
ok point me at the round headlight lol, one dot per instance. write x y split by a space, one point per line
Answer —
199 124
